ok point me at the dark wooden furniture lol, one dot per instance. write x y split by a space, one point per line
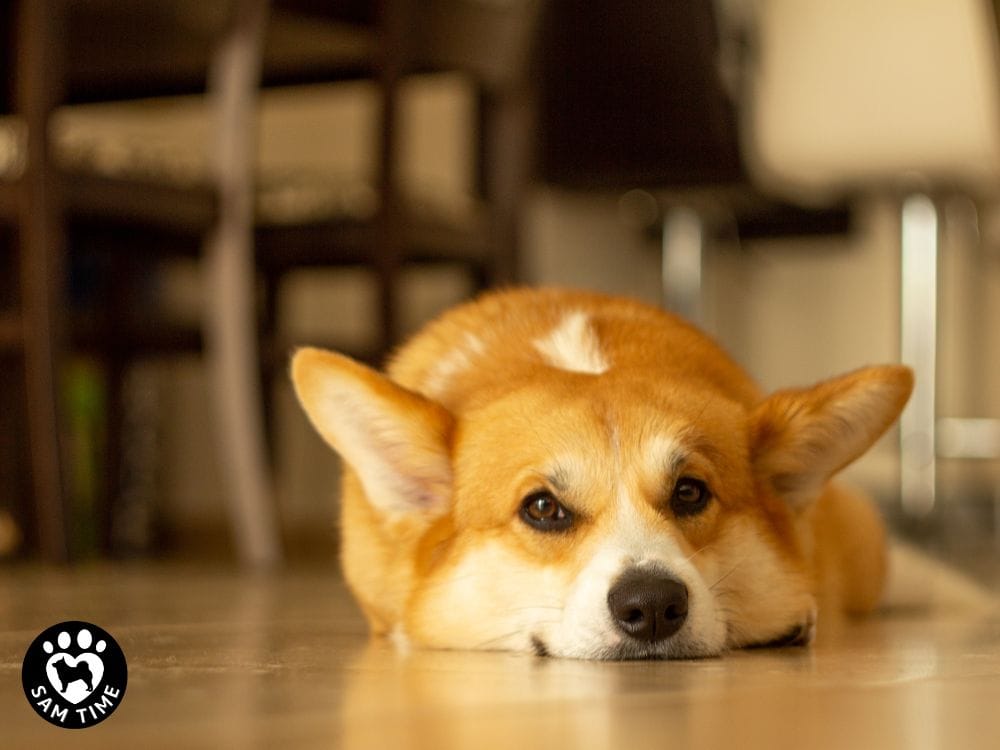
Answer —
63 52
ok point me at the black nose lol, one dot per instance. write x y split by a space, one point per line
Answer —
647 605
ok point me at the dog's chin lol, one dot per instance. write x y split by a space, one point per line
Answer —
630 650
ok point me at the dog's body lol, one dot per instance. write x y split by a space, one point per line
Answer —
70 674
579 475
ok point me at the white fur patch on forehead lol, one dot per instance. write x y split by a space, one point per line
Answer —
573 346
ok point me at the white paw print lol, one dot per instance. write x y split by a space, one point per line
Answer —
84 639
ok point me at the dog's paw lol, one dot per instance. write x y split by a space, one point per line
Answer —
76 669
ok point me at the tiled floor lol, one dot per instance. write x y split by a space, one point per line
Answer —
222 660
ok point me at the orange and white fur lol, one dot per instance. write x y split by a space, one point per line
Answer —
577 475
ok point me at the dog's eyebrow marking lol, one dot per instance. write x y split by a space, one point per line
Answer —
665 452
557 479
676 463
573 346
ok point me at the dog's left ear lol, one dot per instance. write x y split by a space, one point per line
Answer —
799 438
395 440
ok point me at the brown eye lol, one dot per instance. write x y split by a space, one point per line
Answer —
690 497
542 511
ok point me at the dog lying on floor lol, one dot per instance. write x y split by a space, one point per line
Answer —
578 475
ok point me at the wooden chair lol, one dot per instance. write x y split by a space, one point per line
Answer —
45 200
491 44
42 199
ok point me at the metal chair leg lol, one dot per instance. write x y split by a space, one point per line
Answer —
920 236
682 251
230 316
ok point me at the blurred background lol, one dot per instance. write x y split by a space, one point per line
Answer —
190 189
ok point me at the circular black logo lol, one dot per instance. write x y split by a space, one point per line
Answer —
74 675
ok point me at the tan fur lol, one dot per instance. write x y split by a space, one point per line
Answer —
605 403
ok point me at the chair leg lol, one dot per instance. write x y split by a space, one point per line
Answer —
41 246
506 141
230 317
682 256
918 348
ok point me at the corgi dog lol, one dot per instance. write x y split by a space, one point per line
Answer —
576 475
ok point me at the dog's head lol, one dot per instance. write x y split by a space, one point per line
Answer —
612 516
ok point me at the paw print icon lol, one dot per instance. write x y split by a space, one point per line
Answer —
74 674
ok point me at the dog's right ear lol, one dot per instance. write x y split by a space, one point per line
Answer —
396 440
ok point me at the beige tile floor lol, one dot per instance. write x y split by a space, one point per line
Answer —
223 660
